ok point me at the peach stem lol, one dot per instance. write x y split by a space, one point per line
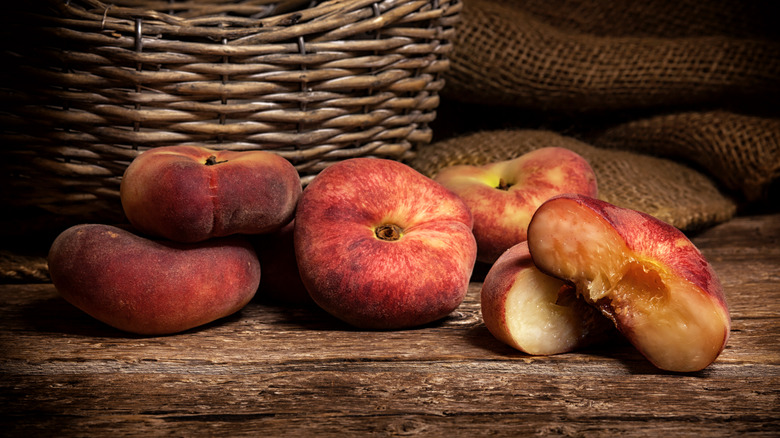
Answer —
212 160
388 232
503 185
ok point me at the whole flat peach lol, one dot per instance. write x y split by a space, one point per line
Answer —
503 196
152 287
190 194
381 246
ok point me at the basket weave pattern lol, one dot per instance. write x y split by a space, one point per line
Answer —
96 84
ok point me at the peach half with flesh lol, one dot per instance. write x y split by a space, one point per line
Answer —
642 273
534 312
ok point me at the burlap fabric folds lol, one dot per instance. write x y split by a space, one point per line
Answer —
700 79
605 56
742 152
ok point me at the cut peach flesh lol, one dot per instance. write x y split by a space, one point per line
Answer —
536 323
676 325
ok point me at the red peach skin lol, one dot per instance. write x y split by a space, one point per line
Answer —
152 287
504 195
191 194
381 246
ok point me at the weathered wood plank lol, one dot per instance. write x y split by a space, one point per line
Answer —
295 372
417 391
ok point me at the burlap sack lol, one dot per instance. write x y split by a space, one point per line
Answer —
659 18
741 152
613 62
585 57
660 187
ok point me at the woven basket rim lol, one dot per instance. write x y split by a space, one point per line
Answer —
337 19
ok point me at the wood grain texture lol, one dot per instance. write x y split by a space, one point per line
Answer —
275 371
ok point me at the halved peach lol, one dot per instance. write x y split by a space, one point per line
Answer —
534 312
642 273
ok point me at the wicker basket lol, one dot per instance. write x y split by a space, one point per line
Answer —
94 84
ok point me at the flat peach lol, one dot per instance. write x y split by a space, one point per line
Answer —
190 194
503 196
148 286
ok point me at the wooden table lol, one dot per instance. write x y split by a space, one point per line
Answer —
274 371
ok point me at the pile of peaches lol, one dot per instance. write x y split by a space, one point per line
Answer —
383 247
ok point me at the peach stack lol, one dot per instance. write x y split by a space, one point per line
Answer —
185 260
